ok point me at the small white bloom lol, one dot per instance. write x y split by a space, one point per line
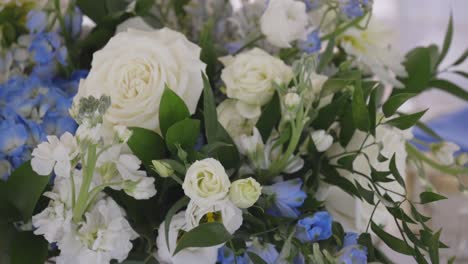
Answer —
291 100
122 133
245 192
206 182
316 81
250 145
55 155
164 254
163 168
284 21
88 133
322 140
234 123
249 78
224 210
444 152
133 23
104 235
462 159
142 189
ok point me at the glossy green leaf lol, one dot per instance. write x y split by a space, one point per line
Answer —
24 188
147 145
447 40
429 197
270 117
366 194
174 209
256 259
171 110
359 108
208 49
347 126
184 133
462 73
398 213
28 248
395 172
327 56
462 58
142 7
450 87
418 67
372 109
434 248
204 235
365 239
393 242
406 121
393 103
209 111
328 114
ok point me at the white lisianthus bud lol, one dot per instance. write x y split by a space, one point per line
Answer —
163 168
444 152
291 100
245 192
322 140
462 159
122 133
206 182
284 21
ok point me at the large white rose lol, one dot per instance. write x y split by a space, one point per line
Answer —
206 182
284 21
224 210
249 78
133 69
204 255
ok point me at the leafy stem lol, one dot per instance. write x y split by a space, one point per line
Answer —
89 167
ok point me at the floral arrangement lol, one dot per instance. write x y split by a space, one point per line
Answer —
211 133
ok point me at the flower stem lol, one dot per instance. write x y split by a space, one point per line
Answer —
81 203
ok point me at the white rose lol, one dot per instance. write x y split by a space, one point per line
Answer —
284 21
245 192
165 252
322 140
224 210
133 69
206 182
134 23
249 78
232 121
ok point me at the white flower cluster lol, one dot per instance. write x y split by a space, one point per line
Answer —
87 225
213 198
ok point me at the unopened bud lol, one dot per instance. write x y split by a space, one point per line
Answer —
163 168
291 100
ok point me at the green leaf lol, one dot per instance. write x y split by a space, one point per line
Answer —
327 56
449 87
418 216
434 248
429 197
96 10
427 239
328 114
334 178
395 172
347 161
171 110
28 248
359 108
179 6
270 117
208 49
398 213
339 82
184 133
420 257
256 259
461 59
428 130
24 187
143 7
347 126
372 109
418 67
174 209
393 242
204 235
147 145
365 239
115 6
393 103
209 111
447 40
406 121
461 73
380 176
368 195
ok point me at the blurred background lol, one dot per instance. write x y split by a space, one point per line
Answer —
421 23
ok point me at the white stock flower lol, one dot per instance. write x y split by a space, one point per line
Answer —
229 214
206 182
134 23
87 133
56 154
322 140
291 100
122 133
245 192
133 69
249 78
284 21
104 235
123 172
444 152
164 254
234 123
371 48
250 144
316 81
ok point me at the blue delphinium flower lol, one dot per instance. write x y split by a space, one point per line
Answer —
226 256
312 43
314 228
36 21
311 4
350 239
352 252
48 51
355 8
266 251
286 196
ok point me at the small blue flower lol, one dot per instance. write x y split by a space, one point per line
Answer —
350 239
13 137
226 256
266 251
315 228
312 43
354 8
311 4
73 22
287 197
233 47
353 255
36 21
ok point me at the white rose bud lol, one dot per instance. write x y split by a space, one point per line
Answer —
444 152
322 140
291 100
123 133
244 193
284 21
163 168
206 182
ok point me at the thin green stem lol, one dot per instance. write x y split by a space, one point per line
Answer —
372 215
250 43
450 170
88 171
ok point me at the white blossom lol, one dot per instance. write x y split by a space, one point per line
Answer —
444 152
322 140
245 192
